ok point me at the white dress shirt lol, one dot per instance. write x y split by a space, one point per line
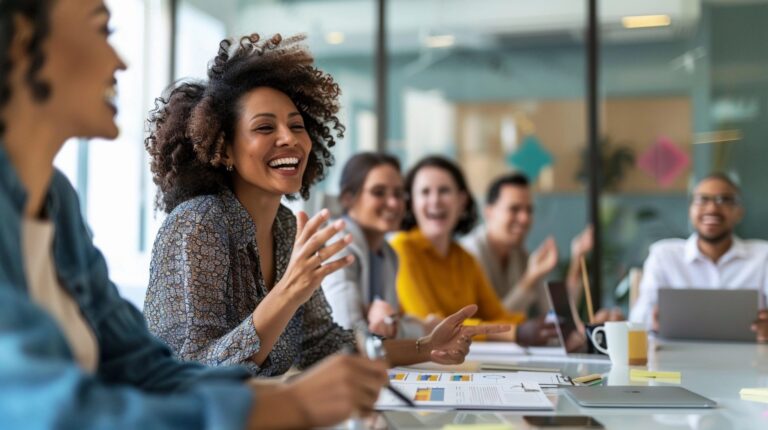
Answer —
678 263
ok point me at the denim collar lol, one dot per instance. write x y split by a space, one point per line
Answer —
14 189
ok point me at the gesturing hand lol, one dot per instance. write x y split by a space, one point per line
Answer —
583 243
306 270
543 260
449 341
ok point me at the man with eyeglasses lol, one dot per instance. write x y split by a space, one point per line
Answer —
499 247
712 257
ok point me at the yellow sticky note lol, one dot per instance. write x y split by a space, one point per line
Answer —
762 399
587 378
640 374
754 391
482 426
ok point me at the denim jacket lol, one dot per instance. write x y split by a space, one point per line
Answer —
138 384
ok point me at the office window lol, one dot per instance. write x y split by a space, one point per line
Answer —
112 177
684 87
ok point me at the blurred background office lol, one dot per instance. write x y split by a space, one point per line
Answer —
495 84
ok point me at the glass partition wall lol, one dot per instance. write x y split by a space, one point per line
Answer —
498 85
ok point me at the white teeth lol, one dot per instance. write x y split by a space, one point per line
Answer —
289 162
110 94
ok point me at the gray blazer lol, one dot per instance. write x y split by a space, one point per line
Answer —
348 290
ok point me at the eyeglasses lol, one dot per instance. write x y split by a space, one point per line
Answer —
719 200
383 192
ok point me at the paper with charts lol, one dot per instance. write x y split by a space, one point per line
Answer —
468 390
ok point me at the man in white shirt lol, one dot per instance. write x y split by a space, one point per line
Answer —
712 257
499 247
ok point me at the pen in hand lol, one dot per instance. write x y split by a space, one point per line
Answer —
370 346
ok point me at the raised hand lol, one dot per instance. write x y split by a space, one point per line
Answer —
449 341
543 260
583 243
307 267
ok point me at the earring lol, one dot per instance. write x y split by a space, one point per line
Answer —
229 167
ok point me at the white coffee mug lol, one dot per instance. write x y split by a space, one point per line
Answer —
616 338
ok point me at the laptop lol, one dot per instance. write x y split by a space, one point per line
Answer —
706 314
631 396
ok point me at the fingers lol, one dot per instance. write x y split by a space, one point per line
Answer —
461 315
486 329
329 251
310 227
328 268
301 221
316 239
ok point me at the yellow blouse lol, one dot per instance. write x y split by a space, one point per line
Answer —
429 283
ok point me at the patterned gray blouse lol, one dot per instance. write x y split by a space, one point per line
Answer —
205 281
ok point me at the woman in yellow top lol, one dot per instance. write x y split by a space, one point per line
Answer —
436 275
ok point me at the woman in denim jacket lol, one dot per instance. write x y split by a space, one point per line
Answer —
73 354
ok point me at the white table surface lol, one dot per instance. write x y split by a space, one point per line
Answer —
714 370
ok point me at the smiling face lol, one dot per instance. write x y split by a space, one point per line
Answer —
715 210
80 66
271 146
437 202
509 218
379 206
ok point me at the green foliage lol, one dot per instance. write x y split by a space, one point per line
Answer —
615 160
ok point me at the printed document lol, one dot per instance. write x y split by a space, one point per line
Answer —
468 390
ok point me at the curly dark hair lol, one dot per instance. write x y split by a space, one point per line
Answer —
195 120
469 216
36 12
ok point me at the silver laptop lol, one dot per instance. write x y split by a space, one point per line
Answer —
632 396
703 314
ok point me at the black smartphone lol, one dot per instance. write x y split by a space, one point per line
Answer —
575 421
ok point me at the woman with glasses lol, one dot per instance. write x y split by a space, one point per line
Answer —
364 292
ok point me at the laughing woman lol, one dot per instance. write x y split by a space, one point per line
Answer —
436 275
73 353
372 196
235 276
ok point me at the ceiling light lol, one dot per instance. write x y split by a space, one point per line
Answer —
334 38
439 41
645 21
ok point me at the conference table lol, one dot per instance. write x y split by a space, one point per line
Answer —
713 369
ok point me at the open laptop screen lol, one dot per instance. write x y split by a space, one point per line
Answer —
560 304
707 314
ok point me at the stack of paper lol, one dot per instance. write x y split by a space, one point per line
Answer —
754 394
467 390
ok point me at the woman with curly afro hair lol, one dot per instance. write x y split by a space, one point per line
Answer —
235 276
